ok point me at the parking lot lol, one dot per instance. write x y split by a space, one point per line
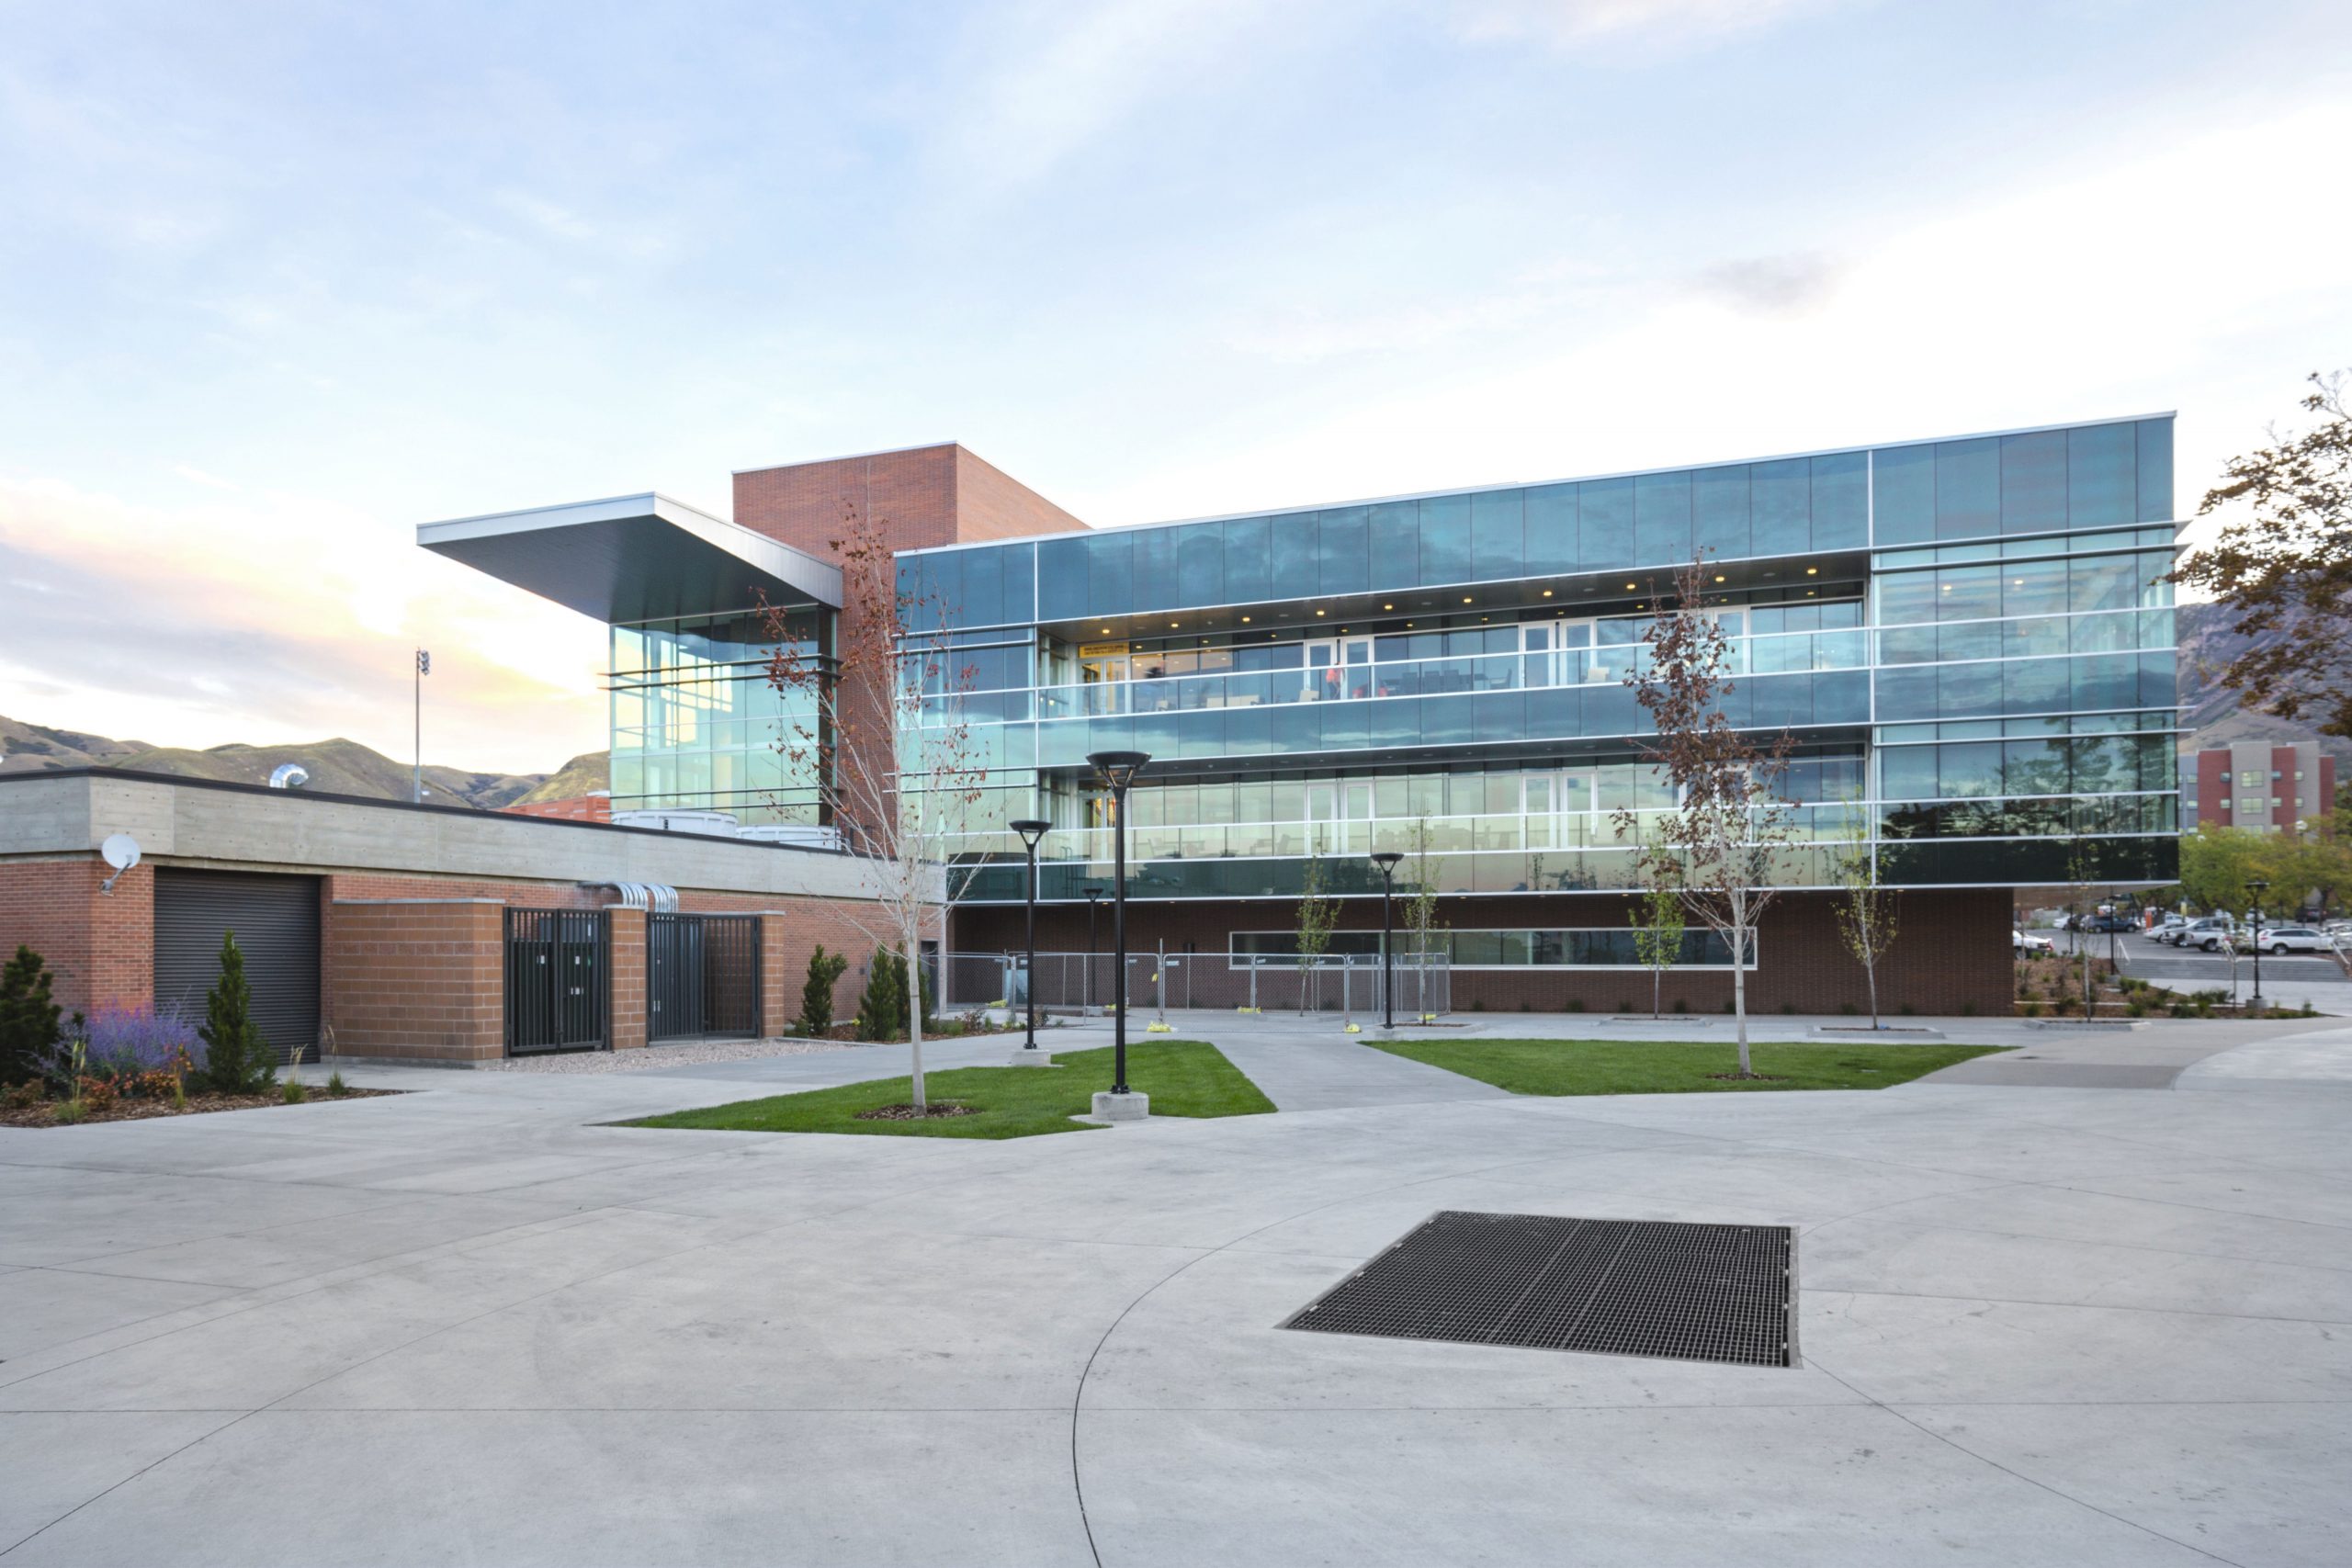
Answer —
2287 982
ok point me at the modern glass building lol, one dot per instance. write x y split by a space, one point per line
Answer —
1969 642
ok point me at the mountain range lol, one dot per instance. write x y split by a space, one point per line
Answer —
336 767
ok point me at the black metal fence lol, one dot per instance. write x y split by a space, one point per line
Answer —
559 980
701 977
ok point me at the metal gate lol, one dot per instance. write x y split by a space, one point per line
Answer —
275 921
701 977
559 980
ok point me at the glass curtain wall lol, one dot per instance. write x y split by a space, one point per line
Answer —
695 724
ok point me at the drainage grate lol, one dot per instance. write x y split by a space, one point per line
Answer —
1619 1287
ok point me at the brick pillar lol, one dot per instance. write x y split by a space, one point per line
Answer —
628 999
780 978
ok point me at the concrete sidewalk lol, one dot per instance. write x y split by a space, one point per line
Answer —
2037 1327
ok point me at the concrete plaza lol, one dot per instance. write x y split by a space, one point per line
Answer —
2039 1323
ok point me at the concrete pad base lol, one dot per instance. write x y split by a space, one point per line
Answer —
1115 1108
1024 1057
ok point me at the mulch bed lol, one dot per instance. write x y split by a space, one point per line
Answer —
909 1114
45 1113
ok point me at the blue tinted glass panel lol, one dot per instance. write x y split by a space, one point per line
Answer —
1612 710
1968 488
983 596
1343 548
1967 690
1662 519
2034 767
1907 772
1605 524
2102 464
1782 497
1019 604
1497 535
1109 574
1445 539
1906 694
2106 680
1155 568
1903 500
1061 579
2034 686
1719 512
1396 541
2154 460
1551 530
1905 597
1970 770
2033 482
1248 571
1199 564
2159 680
1841 502
1297 574
1842 696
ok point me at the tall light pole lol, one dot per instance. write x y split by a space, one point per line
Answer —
1093 903
1031 830
416 778
1119 770
2257 887
1386 861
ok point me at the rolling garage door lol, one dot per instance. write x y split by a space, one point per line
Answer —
277 923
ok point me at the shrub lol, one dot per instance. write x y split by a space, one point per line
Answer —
2178 1009
2136 1008
882 1010
1681 1005
28 1016
96 1095
817 992
1625 1006
336 1086
237 1059
1526 1006
2064 1004
1576 1004
23 1096
138 1041
1788 1006
292 1092
2032 1009
1907 1011
1479 1004
1968 1010
1849 1009
67 1113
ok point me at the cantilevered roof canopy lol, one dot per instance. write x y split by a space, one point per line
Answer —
635 557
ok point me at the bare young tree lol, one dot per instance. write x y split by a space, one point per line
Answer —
1318 912
1657 913
880 729
1730 820
1867 908
1422 923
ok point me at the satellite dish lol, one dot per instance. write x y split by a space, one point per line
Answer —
288 775
122 851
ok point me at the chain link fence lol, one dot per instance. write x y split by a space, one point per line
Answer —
1154 983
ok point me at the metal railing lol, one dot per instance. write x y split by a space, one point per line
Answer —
1158 983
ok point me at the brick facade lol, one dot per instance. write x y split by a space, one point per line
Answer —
420 980
100 946
925 495
1949 955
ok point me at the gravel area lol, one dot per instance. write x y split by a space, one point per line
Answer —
688 1054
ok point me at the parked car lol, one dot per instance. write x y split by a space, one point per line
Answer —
2280 941
2025 942
2106 923
2208 935
2168 927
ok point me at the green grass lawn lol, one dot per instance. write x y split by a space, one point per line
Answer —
1673 1067
1183 1077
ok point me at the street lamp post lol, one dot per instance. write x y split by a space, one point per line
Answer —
1031 830
1093 903
1119 770
1386 861
2257 887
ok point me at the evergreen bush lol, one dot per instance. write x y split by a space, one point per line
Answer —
817 992
882 1010
237 1059
28 1017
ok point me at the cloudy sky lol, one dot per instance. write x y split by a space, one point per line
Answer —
277 282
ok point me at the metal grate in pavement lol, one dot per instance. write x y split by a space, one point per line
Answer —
1691 1292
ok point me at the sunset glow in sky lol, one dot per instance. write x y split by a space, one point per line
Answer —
278 283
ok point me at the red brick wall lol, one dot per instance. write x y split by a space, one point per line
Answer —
2214 786
628 999
787 940
926 496
101 946
1947 954
576 808
423 981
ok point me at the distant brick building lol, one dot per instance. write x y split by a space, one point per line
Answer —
595 807
2257 784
